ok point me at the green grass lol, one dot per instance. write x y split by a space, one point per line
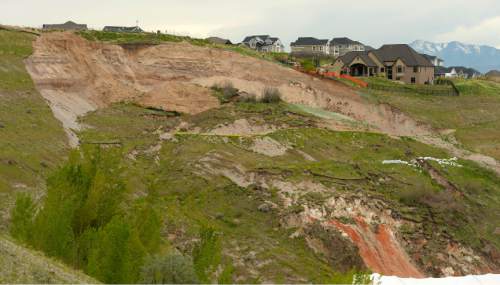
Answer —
32 140
138 38
474 114
348 161
421 89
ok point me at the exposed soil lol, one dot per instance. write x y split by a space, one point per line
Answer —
379 249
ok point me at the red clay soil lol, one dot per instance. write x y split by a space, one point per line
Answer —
379 249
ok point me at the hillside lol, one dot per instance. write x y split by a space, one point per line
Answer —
480 57
23 266
327 184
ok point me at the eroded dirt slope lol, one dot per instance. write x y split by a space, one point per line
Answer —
77 76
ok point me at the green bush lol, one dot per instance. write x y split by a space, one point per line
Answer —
82 221
225 92
206 254
170 269
271 96
118 255
22 218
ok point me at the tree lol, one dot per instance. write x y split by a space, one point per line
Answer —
170 269
117 253
22 218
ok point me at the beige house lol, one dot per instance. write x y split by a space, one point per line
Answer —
310 46
394 62
341 46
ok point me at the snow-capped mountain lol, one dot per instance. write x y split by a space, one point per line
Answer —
481 57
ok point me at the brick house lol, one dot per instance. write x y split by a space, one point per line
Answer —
395 62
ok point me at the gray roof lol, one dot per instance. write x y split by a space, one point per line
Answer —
119 29
220 41
344 41
69 25
431 57
391 53
248 38
350 56
309 41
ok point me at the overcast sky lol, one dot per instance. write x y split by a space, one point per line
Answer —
373 22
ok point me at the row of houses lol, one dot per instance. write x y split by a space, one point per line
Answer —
72 26
397 62
305 45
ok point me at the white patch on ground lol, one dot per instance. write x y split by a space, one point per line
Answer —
306 156
441 161
268 146
487 279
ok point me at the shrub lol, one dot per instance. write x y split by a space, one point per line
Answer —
118 253
170 269
248 98
307 65
226 92
271 96
22 218
206 254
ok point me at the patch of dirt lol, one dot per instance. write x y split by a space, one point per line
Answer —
181 97
268 146
379 249
242 127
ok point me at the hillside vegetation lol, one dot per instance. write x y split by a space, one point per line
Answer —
251 190
471 119
32 140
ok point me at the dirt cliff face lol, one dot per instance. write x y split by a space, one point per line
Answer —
77 76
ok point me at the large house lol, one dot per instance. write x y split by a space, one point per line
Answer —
68 26
264 43
310 46
341 46
119 29
395 62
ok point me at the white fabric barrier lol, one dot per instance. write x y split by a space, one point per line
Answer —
487 279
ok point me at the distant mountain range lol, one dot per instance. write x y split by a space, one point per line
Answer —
480 57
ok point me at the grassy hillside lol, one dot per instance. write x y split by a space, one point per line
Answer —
349 162
32 140
24 266
472 118
238 194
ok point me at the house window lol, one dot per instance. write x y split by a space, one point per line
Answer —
413 80
382 69
415 69
400 69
